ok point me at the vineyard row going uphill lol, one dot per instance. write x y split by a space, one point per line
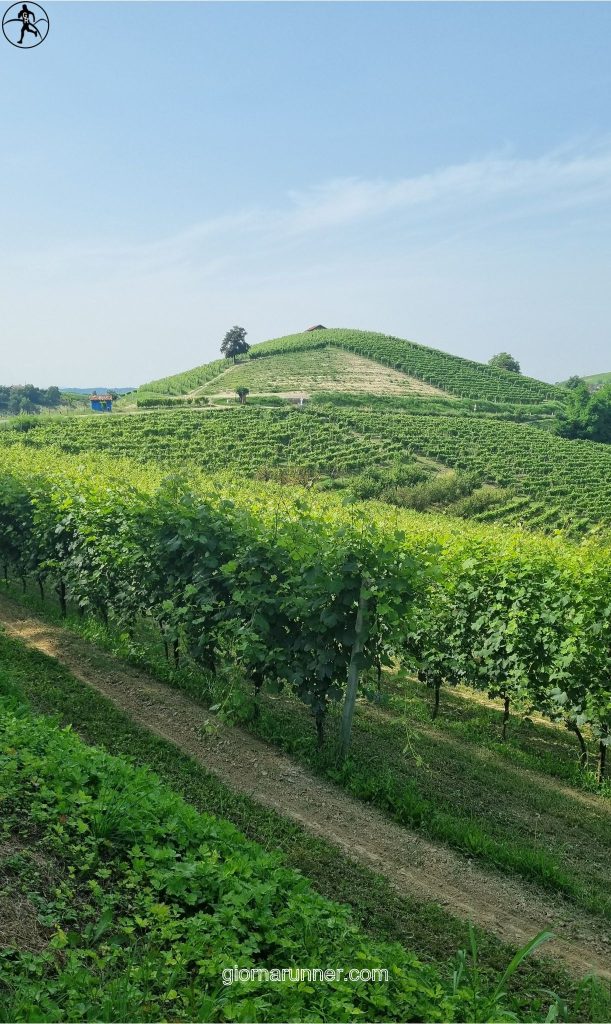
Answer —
307 597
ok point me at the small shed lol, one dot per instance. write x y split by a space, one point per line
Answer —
316 327
101 403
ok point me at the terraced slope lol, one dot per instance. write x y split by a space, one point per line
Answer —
185 383
440 370
546 481
310 370
462 377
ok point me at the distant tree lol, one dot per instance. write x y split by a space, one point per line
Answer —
575 382
586 416
241 393
503 361
53 396
20 403
234 343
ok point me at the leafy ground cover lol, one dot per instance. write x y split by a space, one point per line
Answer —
140 902
385 915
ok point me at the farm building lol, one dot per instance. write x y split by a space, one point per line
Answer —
101 403
316 327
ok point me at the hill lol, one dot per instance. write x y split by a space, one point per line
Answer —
594 381
597 380
404 451
438 370
383 418
311 370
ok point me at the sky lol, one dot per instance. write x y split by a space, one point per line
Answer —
436 171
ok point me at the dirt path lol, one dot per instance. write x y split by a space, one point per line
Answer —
507 907
201 387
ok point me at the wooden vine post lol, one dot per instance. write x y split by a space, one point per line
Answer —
353 673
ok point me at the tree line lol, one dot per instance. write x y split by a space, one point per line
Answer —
25 398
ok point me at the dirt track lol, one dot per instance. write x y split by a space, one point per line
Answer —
507 907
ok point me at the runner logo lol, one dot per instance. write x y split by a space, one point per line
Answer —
25 25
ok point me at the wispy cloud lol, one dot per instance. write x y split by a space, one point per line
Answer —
492 189
502 248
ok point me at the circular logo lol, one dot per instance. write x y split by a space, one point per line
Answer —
25 25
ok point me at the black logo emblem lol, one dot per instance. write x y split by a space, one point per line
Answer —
25 25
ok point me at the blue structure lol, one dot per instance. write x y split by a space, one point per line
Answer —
101 403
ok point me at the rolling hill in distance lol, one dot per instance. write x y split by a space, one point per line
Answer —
598 379
371 416
454 375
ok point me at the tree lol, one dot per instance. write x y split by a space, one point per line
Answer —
52 396
575 382
241 393
234 343
586 416
504 361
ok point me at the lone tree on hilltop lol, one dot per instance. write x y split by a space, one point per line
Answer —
241 393
234 343
503 361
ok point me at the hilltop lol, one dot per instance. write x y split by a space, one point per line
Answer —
372 415
597 380
354 361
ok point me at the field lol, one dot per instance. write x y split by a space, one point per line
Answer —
517 473
348 667
328 369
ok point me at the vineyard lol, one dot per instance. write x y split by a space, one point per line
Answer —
438 370
542 481
137 860
309 594
399 589
462 377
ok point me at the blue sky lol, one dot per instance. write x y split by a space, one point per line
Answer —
437 171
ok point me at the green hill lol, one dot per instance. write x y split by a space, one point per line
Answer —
428 370
476 466
380 418
598 379
594 381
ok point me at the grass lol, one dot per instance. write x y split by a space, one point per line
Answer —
425 929
531 743
329 369
143 903
461 794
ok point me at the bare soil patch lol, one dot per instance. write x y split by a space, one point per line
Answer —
19 925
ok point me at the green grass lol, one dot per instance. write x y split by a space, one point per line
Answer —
461 795
143 903
329 369
386 916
